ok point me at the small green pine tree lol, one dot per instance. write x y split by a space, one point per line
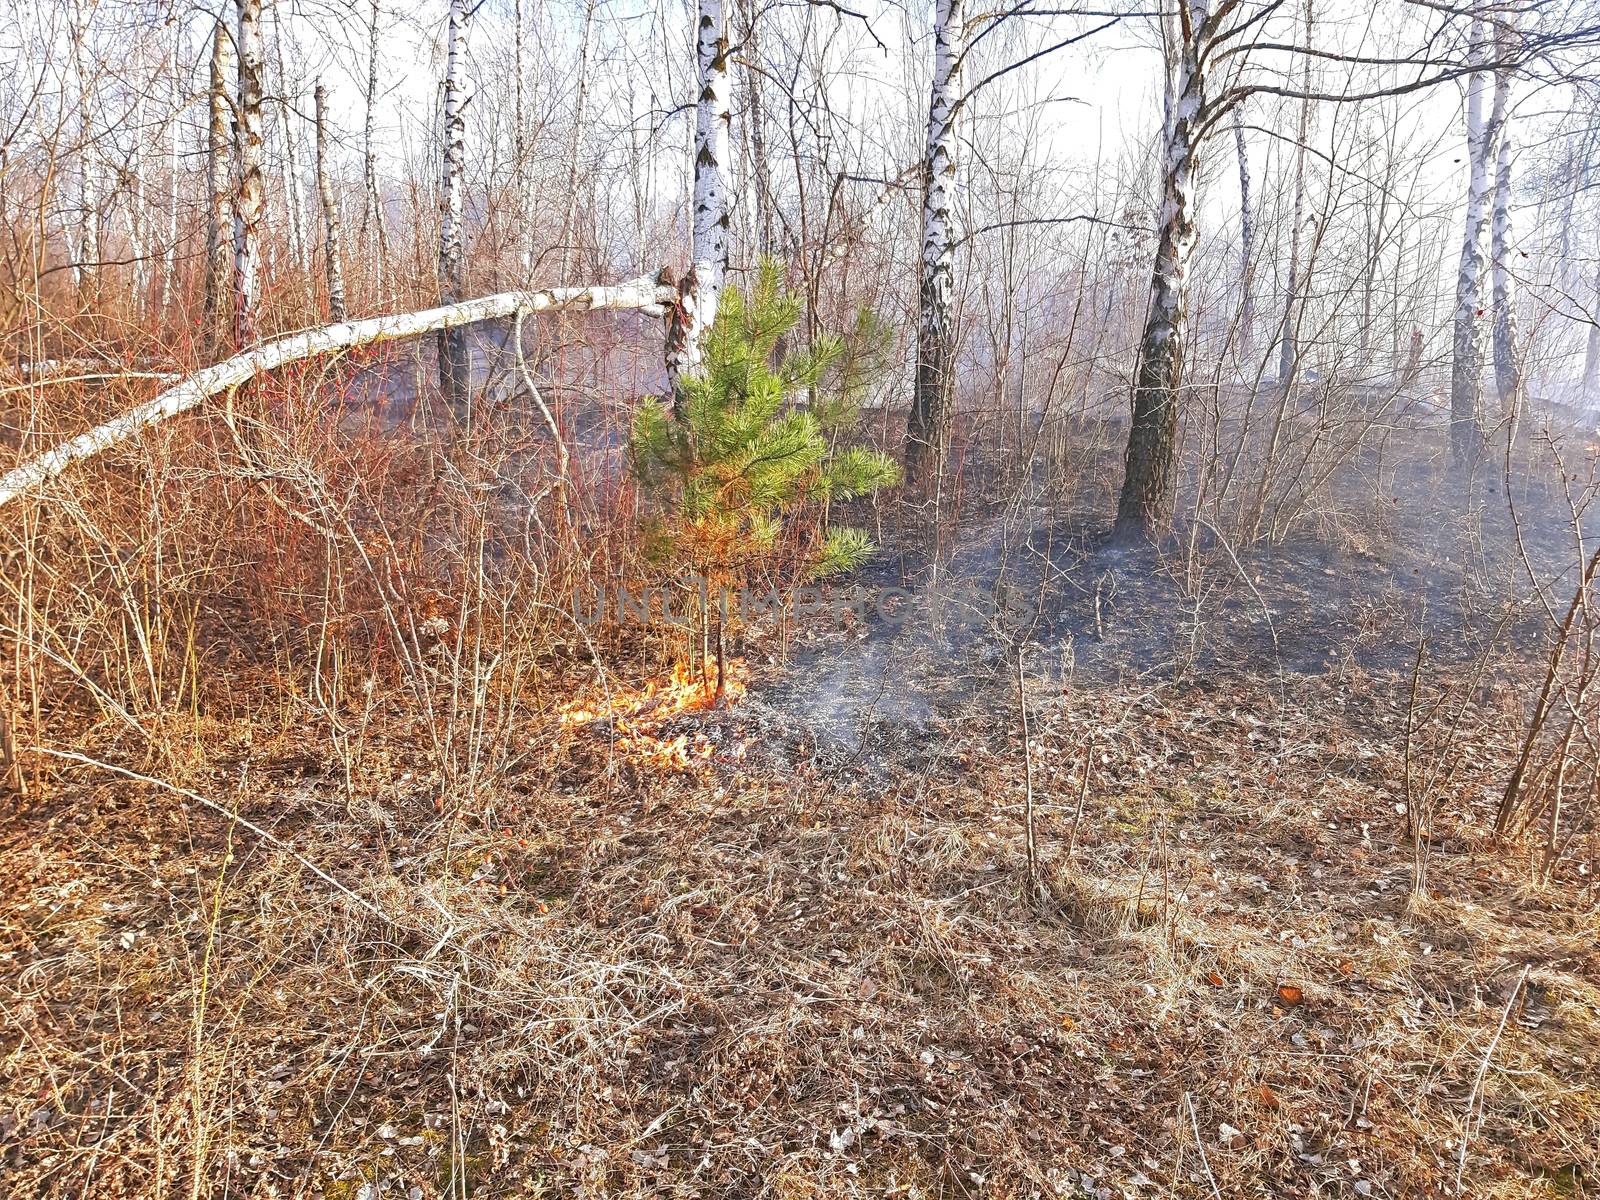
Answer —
754 443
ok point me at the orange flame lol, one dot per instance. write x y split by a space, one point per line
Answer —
637 714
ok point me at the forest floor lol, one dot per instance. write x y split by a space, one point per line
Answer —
805 956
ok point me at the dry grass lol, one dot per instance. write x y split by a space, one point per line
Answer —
548 965
758 984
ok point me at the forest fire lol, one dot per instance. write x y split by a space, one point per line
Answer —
636 715
1149 456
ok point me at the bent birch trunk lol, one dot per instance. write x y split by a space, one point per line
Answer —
644 295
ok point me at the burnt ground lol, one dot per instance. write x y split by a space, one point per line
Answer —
1032 571
816 965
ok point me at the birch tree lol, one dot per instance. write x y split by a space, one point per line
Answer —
86 259
522 183
1590 385
294 208
1288 341
933 394
372 224
1507 368
453 363
219 199
755 124
575 142
1149 480
1212 41
1466 368
1247 239
249 193
701 289
640 295
333 267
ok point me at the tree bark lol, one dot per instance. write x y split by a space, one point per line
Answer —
579 114
1247 240
643 295
1507 367
87 255
169 251
330 213
1591 356
1288 345
372 217
294 206
454 367
249 194
138 182
219 208
1466 396
701 293
1149 483
756 130
933 395
522 185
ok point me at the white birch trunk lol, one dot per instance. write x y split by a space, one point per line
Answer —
219 177
1507 368
1149 482
933 396
579 115
139 210
293 202
86 258
522 182
702 286
643 295
372 216
1591 356
756 130
169 252
333 264
1466 398
1247 239
453 362
1289 341
249 192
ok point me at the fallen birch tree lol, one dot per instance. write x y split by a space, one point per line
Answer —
642 295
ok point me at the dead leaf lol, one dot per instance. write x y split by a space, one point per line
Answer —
1267 1096
1214 979
1290 994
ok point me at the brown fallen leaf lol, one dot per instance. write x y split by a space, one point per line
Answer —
1267 1096
1214 979
1290 994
